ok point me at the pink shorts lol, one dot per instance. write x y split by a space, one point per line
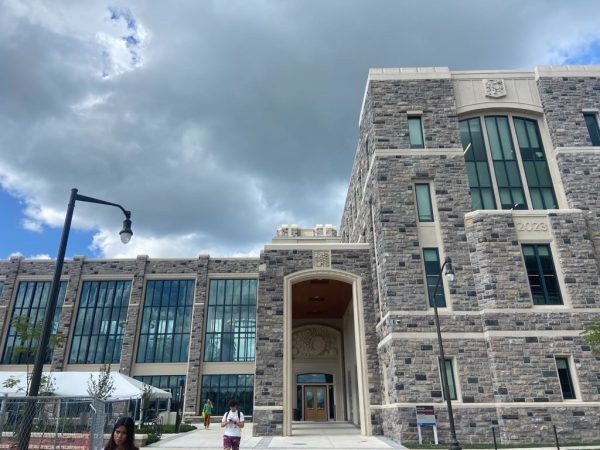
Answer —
232 442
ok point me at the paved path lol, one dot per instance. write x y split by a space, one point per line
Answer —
306 436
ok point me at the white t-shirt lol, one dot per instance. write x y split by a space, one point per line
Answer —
232 428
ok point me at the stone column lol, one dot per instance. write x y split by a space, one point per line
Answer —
11 274
133 312
193 376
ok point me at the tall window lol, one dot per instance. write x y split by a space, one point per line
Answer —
591 121
98 335
506 168
1 288
31 301
170 383
480 181
231 321
450 377
543 281
166 320
564 375
415 132
433 273
537 173
424 207
222 388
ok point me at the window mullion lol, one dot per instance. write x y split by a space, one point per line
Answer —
490 162
520 166
541 272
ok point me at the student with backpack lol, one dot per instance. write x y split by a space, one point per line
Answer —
233 422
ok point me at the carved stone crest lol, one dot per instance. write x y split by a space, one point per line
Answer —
321 259
494 88
314 342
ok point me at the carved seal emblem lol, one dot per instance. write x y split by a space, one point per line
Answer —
494 88
314 342
321 259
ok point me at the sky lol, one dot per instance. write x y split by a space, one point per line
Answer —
216 121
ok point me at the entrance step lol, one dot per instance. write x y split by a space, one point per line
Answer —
321 428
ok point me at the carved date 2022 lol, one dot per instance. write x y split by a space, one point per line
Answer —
532 226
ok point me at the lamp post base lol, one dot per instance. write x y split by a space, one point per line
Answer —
455 445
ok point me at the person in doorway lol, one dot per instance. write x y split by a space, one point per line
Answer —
207 412
122 436
233 422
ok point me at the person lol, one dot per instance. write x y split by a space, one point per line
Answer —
206 412
233 422
122 435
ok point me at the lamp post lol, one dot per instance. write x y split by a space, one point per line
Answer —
454 445
36 374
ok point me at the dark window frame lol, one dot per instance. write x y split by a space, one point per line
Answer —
100 322
541 274
238 327
591 122
170 382
164 313
565 378
432 279
429 206
421 133
452 384
221 388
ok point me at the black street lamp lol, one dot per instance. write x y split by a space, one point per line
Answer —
454 445
40 356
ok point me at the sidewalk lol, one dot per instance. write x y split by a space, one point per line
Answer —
346 438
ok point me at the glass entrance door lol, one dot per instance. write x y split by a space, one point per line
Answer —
315 403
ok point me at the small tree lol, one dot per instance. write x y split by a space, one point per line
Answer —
103 386
146 398
591 334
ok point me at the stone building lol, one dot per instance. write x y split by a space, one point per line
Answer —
499 170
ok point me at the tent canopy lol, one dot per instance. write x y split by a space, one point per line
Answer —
75 384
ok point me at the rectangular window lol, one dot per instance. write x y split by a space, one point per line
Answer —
451 381
222 388
508 177
415 132
1 288
231 321
543 281
478 170
166 320
424 207
591 120
100 323
537 173
166 382
564 375
30 303
433 273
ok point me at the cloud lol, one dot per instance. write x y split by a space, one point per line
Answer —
214 122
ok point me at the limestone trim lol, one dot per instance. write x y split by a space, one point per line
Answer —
334 246
454 151
504 106
567 71
569 404
268 408
360 344
237 275
107 277
522 212
140 369
582 149
484 74
171 276
228 368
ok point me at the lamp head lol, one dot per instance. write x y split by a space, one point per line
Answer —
449 270
126 232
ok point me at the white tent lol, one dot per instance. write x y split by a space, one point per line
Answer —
74 384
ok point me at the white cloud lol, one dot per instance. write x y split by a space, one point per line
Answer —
40 256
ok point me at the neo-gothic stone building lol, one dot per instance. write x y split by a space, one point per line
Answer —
498 170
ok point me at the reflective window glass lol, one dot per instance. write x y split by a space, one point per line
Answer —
424 208
220 389
564 375
100 322
166 319
415 132
169 383
450 378
591 121
30 306
541 273
231 321
432 273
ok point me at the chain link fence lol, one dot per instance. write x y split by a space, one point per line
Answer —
59 422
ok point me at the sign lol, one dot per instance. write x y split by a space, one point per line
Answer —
425 416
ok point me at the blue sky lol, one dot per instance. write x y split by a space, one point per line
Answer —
215 122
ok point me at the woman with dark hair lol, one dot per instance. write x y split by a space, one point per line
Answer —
122 435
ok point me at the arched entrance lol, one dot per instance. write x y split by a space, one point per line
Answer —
325 375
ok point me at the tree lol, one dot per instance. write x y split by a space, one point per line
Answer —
591 334
103 386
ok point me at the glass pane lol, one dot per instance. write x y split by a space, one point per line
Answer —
424 208
591 122
564 375
450 378
476 201
415 132
484 174
309 399
489 202
494 138
320 398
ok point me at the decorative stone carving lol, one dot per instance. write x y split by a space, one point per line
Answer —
321 259
494 88
314 343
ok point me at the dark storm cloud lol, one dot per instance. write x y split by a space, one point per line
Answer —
216 121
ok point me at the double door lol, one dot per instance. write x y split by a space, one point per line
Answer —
315 403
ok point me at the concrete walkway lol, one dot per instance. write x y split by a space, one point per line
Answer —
308 436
